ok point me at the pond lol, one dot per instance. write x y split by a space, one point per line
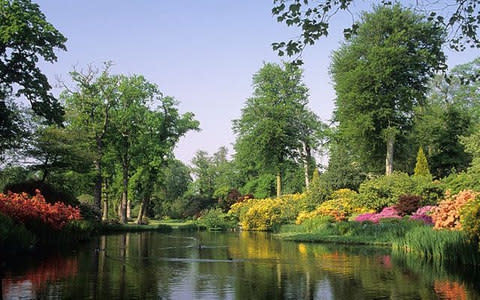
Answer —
236 265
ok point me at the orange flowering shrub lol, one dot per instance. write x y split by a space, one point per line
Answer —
447 214
23 209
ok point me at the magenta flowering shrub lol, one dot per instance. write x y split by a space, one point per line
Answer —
423 214
387 213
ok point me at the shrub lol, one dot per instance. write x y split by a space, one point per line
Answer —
89 211
386 213
384 191
215 219
268 213
21 208
50 193
408 204
423 214
470 218
421 167
342 205
14 237
447 214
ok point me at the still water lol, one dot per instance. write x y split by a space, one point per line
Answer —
240 265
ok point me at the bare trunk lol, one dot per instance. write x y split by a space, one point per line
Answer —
279 185
129 212
105 202
389 159
141 211
123 204
97 192
306 161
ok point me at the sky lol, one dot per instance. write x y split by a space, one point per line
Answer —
203 53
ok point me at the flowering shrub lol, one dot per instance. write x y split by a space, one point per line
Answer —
447 214
423 214
470 218
23 209
386 213
268 213
341 206
408 204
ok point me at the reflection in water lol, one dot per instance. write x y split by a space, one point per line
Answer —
242 265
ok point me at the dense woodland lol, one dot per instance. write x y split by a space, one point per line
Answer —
403 124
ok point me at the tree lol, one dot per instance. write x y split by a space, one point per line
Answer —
162 129
381 74
421 168
25 38
269 131
450 112
88 107
460 18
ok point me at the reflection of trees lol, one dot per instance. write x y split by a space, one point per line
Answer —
249 265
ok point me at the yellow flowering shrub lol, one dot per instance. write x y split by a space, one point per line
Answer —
268 213
341 206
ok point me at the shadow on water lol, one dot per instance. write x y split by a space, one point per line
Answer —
242 265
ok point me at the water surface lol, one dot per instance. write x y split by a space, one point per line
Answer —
241 265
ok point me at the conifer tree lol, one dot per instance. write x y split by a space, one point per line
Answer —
421 167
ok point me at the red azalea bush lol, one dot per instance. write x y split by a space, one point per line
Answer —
23 209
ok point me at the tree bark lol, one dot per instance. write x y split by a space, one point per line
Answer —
389 158
307 155
97 192
105 202
279 185
141 211
123 205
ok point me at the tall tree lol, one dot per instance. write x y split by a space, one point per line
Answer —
162 128
89 106
25 38
381 74
127 119
451 111
460 18
269 131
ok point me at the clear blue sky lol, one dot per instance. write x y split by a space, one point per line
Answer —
203 53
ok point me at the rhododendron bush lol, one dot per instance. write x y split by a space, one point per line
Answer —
25 209
424 214
386 213
447 214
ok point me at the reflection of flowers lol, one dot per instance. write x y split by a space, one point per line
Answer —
50 270
449 290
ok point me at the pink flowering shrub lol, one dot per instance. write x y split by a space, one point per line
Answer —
387 213
423 214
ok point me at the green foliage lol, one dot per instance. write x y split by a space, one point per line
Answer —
316 194
421 167
457 182
470 219
313 19
441 245
384 191
216 219
27 38
14 237
261 187
52 193
398 51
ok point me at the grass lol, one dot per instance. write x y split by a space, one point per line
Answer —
405 237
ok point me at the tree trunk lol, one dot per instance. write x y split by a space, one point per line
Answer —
389 159
123 205
143 208
279 185
105 202
97 192
129 210
307 155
